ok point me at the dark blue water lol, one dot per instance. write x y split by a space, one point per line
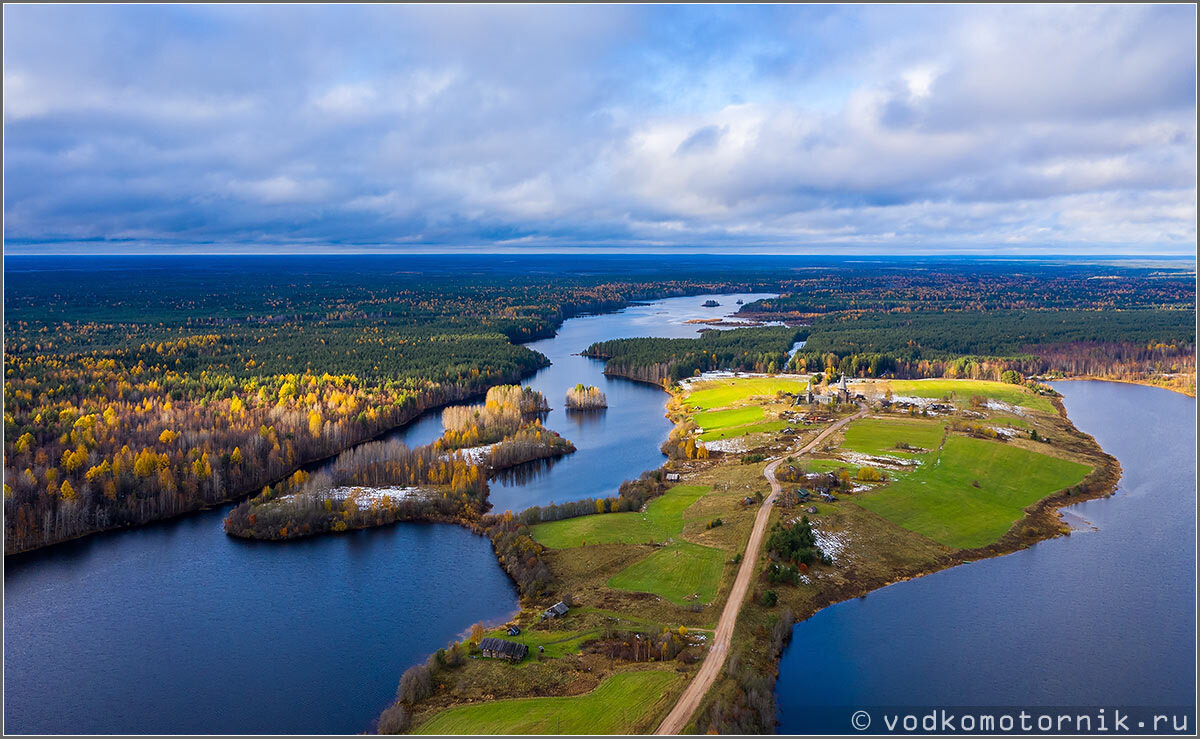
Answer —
176 628
1100 618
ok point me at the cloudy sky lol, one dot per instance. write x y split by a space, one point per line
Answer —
804 128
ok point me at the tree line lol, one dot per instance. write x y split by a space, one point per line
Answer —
759 349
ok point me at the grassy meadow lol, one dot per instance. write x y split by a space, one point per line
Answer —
683 573
625 703
662 520
962 391
880 435
713 420
973 492
712 394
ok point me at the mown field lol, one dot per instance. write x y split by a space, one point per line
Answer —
713 420
881 435
973 492
662 520
712 394
683 573
962 390
625 703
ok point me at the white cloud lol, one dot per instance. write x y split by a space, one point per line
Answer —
280 190
848 124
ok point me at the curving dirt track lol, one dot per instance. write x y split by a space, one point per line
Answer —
679 716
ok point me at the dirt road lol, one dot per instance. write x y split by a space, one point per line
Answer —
679 716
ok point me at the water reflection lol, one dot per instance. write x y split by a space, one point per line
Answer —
522 474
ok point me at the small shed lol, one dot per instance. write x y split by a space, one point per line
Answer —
514 630
503 649
812 509
672 477
556 610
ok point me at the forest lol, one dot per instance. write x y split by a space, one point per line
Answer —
175 383
157 392
656 360
985 345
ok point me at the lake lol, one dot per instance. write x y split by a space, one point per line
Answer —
176 628
1104 617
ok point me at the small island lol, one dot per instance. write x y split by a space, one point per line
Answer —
586 398
710 304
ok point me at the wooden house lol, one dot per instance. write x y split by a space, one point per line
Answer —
503 649
556 610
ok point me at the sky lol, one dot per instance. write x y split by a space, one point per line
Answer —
785 129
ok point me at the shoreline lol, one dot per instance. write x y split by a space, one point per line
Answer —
1042 521
1143 383
243 495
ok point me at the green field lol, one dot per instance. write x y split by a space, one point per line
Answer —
713 420
940 501
753 428
677 573
880 435
828 465
723 393
662 520
622 704
964 389
1017 423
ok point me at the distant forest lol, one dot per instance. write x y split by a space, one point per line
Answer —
143 388
984 344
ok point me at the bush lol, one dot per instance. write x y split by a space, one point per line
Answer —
394 720
416 684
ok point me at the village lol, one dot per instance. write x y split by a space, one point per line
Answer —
643 594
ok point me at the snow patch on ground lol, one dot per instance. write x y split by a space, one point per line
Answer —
996 405
476 454
832 543
725 445
867 460
365 496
